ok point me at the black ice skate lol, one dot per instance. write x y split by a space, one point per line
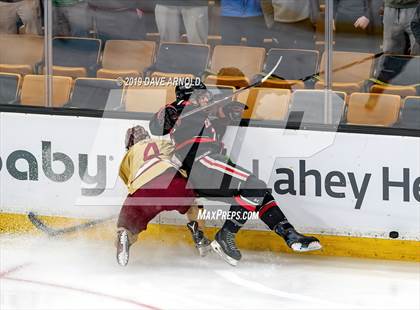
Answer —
123 247
224 245
201 242
296 241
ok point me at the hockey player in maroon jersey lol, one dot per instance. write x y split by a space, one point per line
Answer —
154 185
198 146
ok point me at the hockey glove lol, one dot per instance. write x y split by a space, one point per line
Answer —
167 117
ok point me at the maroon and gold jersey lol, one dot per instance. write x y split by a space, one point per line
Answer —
144 161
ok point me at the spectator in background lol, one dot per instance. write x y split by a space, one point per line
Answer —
71 18
27 10
193 13
398 15
292 22
352 20
242 18
415 28
118 19
149 19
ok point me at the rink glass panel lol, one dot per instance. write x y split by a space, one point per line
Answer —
121 58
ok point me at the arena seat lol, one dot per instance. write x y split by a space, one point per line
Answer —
296 67
96 94
75 57
20 53
265 103
373 109
148 99
247 60
396 74
313 104
350 71
9 87
126 58
233 81
180 59
410 114
33 90
403 91
220 91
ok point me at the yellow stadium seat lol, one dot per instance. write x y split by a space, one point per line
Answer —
33 90
403 91
234 81
373 109
148 99
126 58
350 71
248 60
265 103
20 53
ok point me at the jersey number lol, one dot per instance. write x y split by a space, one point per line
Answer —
151 151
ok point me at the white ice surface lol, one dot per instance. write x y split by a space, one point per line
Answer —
80 274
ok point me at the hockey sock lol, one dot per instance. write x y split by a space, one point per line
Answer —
234 224
271 214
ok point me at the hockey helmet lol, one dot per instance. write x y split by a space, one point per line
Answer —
135 135
185 91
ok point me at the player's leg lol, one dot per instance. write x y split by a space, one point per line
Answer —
133 219
270 213
252 196
215 177
179 190
164 193
196 227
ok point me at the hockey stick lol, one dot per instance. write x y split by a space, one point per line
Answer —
52 232
214 103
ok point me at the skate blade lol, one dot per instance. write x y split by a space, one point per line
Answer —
218 249
313 246
123 256
204 250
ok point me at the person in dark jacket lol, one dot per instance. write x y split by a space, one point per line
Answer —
352 20
242 18
118 19
415 28
170 14
71 18
398 15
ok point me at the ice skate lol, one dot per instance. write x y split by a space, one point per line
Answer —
201 242
296 241
224 245
123 247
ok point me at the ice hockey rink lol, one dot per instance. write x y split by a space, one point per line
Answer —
42 273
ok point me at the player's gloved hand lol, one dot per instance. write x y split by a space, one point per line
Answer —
178 105
234 109
167 117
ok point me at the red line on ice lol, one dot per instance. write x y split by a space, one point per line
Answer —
4 275
81 290
13 269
